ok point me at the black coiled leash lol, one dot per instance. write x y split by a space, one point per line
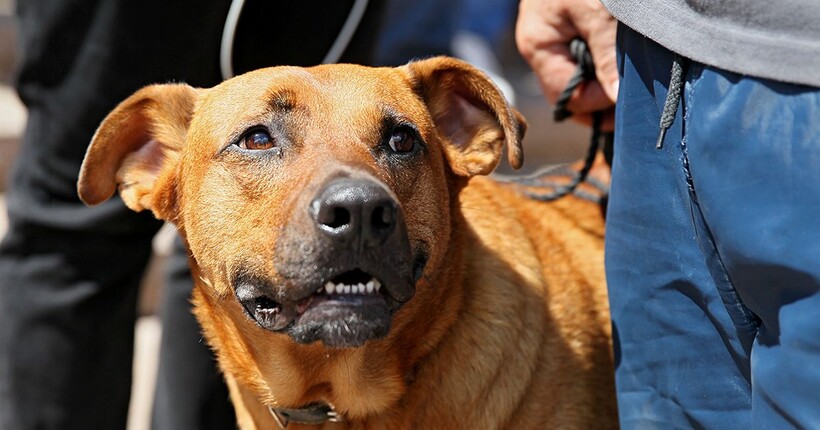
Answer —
584 72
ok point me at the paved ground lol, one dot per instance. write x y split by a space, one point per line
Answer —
12 121
146 346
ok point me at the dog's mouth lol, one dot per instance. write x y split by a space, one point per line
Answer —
356 282
344 311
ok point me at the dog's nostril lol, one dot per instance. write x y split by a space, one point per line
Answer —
340 218
382 217
355 212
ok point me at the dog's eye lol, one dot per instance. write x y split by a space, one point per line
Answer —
257 140
403 139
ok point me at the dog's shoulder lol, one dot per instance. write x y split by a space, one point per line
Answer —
504 221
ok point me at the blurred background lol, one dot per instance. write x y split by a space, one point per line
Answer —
483 36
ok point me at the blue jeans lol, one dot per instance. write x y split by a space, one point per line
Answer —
713 248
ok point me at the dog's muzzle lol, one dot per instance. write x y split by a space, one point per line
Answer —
345 266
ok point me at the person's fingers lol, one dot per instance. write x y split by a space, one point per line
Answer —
554 67
541 40
602 48
599 28
543 32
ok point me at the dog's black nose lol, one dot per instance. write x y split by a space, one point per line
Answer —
355 211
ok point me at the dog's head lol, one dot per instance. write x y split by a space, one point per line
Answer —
315 202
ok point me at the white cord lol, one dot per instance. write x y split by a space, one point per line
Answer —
346 33
228 34
354 18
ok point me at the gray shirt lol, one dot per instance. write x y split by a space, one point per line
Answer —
773 39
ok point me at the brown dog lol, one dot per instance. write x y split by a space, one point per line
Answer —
344 258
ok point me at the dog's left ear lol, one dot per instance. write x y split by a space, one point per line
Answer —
470 113
137 148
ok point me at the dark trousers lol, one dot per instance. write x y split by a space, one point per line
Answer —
713 248
69 273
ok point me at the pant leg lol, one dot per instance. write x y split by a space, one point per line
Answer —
190 390
68 274
682 337
66 328
754 155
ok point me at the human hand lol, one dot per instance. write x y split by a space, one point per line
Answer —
543 33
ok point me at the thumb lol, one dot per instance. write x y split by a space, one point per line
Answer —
599 29
606 72
602 48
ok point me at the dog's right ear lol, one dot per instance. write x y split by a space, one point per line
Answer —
137 148
473 116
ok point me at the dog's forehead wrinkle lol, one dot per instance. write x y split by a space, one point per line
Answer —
397 113
281 100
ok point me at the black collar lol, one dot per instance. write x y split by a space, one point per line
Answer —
314 413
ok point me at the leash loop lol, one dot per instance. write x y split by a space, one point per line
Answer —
585 72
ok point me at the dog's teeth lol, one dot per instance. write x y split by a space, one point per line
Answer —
360 288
